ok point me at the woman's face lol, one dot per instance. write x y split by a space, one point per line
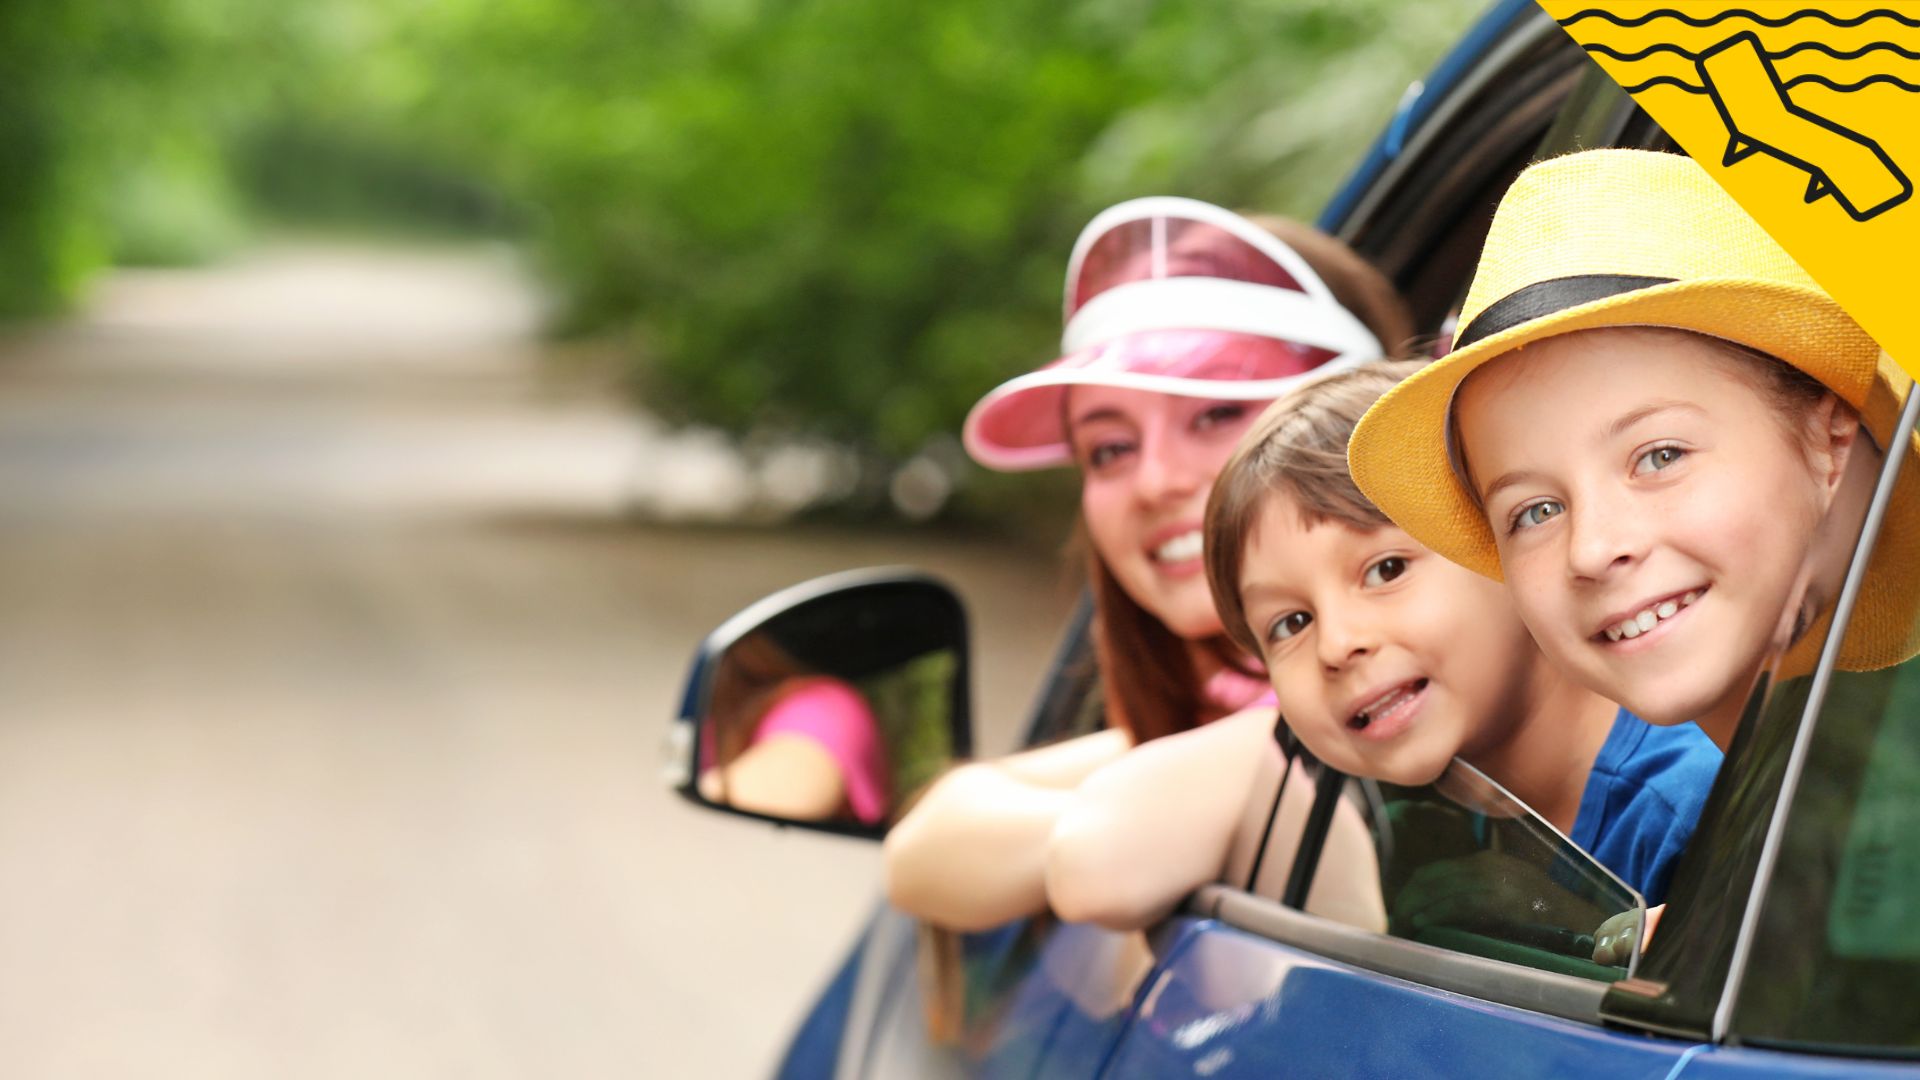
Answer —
1147 461
1651 510
1387 660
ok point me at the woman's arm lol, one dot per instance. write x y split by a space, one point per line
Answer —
1145 831
789 776
971 854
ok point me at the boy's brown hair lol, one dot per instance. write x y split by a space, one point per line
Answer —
1299 447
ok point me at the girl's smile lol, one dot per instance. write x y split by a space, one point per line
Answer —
1649 620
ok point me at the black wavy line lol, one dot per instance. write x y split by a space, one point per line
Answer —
1738 13
1848 87
1818 46
1667 80
1878 46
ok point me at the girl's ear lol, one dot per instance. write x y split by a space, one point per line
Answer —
1832 428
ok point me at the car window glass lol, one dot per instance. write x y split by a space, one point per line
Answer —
1466 866
1837 952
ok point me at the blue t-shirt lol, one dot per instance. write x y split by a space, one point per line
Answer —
1643 798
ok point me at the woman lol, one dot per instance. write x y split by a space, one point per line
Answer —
787 741
1183 321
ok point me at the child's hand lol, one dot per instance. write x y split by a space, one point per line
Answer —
1614 943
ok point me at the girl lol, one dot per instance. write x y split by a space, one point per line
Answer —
1650 426
1182 319
1388 662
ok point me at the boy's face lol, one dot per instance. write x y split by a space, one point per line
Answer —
1387 659
1651 511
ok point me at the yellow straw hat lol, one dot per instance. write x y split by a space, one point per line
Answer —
1637 238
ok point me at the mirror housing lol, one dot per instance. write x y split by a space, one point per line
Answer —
827 705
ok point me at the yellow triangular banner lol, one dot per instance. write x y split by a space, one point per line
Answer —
1808 113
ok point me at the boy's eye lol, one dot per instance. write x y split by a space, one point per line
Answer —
1385 570
1288 625
1217 415
1537 513
1657 458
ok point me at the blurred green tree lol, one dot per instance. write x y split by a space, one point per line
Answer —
846 218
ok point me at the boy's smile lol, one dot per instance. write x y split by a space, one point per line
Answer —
1383 715
1652 509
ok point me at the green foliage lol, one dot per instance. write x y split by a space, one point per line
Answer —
851 217
847 217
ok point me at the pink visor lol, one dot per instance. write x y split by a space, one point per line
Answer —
1178 297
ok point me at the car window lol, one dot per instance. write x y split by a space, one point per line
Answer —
1804 967
1458 864
1466 866
1835 953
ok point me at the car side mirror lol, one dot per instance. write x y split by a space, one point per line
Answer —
827 705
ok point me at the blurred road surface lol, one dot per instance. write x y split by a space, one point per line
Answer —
331 691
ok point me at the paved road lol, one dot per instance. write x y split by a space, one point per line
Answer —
331 686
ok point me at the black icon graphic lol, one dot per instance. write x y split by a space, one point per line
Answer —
1740 77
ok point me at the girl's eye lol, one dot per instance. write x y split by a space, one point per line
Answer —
1657 458
1288 625
1385 570
1218 415
1536 513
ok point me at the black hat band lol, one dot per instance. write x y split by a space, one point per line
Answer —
1543 298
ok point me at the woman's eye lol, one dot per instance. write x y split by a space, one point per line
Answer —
1385 570
1100 455
1657 458
1537 513
1225 413
1288 625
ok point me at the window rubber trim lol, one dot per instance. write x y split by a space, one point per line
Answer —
1547 992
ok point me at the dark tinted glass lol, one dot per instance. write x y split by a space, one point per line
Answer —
1466 866
1837 957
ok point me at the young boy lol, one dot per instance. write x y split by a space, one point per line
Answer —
1650 427
1388 661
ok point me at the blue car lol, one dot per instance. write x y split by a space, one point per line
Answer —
1791 942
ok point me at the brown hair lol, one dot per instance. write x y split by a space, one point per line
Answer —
754 674
1299 447
1147 674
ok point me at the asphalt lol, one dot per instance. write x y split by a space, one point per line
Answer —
334 669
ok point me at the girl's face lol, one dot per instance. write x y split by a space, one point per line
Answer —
1651 510
1147 461
1388 660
